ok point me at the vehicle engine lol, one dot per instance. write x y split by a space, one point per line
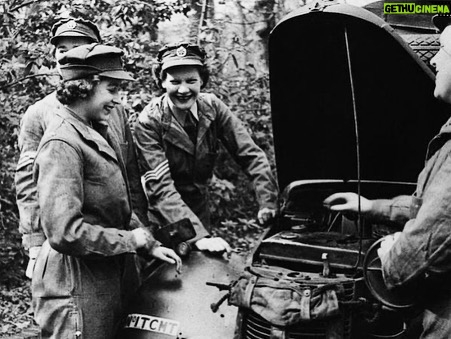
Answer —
306 279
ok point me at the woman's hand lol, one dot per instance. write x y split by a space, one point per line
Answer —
348 202
265 214
214 245
144 239
167 255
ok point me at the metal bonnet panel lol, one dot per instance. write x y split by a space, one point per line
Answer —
340 72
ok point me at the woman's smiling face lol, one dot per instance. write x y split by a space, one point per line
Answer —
103 99
183 84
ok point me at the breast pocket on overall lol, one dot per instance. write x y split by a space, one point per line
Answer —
103 179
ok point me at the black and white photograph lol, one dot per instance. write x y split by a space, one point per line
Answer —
225 169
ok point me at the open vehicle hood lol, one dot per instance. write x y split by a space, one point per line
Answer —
418 23
348 93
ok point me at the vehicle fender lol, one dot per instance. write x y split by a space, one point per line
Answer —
171 305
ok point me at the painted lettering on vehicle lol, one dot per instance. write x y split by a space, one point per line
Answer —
152 324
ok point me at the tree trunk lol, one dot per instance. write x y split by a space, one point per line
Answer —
267 10
203 10
242 20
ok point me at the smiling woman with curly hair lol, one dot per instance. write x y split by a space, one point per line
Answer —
70 91
84 265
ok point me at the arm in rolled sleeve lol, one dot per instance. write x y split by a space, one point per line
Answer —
248 155
159 185
396 210
425 242
59 179
30 135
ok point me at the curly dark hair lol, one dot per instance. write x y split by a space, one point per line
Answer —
70 91
160 75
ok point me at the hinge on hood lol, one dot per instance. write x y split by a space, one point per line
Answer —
319 6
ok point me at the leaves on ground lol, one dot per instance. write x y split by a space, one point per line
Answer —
15 309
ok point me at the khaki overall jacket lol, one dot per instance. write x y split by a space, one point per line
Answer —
176 172
86 266
33 125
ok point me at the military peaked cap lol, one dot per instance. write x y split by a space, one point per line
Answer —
93 59
75 27
181 54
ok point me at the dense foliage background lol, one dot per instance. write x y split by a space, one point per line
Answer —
233 33
234 36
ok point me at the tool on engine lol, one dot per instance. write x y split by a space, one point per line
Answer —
326 265
222 287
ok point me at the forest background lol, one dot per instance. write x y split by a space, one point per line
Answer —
233 32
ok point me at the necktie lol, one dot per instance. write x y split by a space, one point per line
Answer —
191 126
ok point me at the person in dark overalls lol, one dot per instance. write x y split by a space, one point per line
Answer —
177 137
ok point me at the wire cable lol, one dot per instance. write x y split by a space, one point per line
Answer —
357 143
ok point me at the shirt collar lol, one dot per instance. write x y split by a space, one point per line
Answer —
180 115
100 127
77 116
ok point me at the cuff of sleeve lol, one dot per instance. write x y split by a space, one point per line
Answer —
154 245
269 205
404 262
199 228
390 276
146 252
380 209
130 241
33 240
152 242
200 233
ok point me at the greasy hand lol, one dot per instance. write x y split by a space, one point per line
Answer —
265 214
387 244
347 202
214 245
167 255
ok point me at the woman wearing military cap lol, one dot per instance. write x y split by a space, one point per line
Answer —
177 137
74 27
85 204
66 34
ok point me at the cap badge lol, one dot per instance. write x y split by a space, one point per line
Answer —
71 24
181 51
